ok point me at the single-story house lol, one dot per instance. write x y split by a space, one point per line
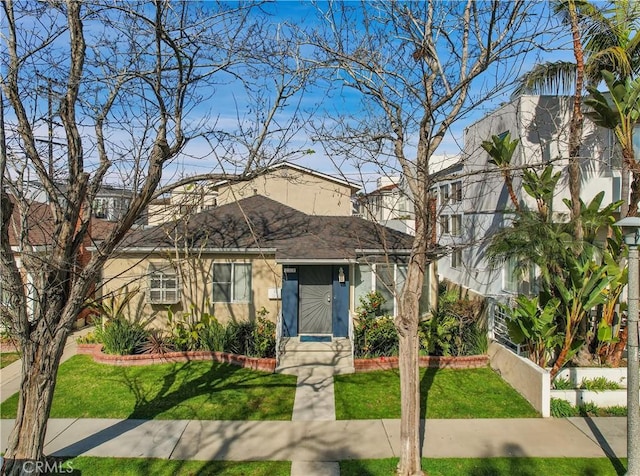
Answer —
258 255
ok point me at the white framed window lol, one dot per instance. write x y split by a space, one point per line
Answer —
444 224
444 194
164 284
387 279
456 258
456 192
456 225
232 282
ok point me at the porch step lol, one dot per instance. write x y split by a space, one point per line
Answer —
330 357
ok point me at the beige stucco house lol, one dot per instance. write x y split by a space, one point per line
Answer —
303 189
255 255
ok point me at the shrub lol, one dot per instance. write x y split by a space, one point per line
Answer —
90 338
254 339
616 410
264 336
588 409
185 332
561 408
374 335
454 328
598 384
121 337
379 337
562 384
157 343
212 335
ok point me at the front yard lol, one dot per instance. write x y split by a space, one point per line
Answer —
180 391
473 393
7 358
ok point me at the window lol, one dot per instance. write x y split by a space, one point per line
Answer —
231 282
444 194
387 279
444 224
163 284
456 225
456 191
518 278
456 259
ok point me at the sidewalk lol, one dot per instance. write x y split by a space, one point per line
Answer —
331 440
314 441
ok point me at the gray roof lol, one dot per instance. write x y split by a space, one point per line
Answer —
259 222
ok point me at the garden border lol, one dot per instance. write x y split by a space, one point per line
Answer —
253 363
429 361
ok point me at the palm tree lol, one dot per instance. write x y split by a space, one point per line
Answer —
501 148
620 112
610 40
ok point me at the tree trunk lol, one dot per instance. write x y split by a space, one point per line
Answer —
407 323
575 127
633 167
410 457
624 190
512 194
39 372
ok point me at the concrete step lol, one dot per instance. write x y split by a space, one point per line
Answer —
332 357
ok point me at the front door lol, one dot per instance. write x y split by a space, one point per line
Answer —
315 300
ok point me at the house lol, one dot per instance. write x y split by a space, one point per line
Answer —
482 204
257 255
388 205
110 203
31 237
306 190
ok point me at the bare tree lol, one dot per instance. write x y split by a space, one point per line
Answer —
417 67
128 86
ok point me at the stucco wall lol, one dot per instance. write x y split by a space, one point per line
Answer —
131 272
305 192
532 382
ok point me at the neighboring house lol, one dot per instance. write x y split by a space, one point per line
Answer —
237 259
481 205
31 236
306 190
388 205
111 202
449 194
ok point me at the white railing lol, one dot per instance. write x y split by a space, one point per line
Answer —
351 338
278 336
498 330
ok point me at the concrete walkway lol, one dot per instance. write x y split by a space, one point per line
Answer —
322 441
314 440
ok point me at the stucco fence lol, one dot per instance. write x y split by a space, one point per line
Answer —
534 382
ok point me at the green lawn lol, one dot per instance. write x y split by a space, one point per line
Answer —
492 467
7 358
90 466
474 393
190 390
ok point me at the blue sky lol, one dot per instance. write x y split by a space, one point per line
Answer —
304 13
229 103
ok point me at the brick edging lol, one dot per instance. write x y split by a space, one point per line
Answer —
389 363
253 363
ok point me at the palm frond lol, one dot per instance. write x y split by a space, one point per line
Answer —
549 78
